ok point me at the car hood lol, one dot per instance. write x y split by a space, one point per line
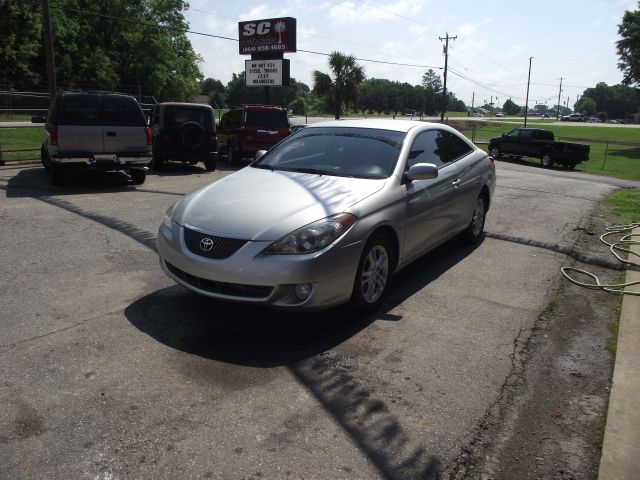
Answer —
264 205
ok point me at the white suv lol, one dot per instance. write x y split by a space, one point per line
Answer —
102 131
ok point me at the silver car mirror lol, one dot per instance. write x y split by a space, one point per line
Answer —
259 154
422 171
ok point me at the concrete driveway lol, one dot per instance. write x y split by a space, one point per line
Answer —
111 371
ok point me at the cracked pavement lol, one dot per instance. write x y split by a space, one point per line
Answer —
109 370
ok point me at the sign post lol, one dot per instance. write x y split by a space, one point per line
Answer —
266 41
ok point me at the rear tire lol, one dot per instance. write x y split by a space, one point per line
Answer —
157 162
373 275
210 164
475 230
57 174
138 176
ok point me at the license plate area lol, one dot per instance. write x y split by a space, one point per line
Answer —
105 157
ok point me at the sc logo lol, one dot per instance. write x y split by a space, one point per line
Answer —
262 28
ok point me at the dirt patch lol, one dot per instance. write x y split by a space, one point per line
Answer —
549 419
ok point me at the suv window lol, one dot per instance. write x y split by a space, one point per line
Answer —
121 111
267 118
79 110
175 116
525 133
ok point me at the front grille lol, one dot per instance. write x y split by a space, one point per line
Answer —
222 288
215 247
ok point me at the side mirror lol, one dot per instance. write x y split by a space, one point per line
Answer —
422 171
38 119
259 154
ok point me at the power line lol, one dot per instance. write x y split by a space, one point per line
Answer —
393 13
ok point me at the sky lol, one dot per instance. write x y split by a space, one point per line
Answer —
572 39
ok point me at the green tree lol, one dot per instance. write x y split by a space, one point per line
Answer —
629 47
20 33
586 105
348 75
618 101
432 92
126 45
511 108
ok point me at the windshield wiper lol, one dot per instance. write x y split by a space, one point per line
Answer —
315 171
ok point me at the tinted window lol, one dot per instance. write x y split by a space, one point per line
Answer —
457 147
79 110
526 134
120 111
267 119
175 116
354 152
429 147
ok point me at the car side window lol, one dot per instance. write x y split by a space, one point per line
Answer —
458 148
513 133
526 134
428 147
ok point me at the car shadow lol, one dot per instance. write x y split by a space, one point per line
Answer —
34 182
309 346
534 162
263 337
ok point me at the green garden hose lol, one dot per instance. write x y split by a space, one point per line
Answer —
622 245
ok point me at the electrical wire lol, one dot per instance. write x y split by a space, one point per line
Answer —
615 247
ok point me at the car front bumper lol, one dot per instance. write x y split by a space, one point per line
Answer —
246 276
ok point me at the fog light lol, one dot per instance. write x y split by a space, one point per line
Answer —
302 291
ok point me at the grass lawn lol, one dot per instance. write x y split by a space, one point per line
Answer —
19 138
626 205
622 161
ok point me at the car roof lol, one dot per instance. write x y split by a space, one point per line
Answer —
394 125
183 104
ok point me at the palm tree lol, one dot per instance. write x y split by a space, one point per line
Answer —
343 87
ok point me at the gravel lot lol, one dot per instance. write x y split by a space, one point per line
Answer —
111 371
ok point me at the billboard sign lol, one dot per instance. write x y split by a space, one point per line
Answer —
270 35
266 73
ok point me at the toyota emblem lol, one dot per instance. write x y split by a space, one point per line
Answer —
206 244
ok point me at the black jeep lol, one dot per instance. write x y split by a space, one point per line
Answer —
184 132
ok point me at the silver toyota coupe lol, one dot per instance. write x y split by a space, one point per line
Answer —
329 214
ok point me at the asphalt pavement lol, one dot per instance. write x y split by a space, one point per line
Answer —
110 370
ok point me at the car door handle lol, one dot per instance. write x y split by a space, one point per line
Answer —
111 134
456 182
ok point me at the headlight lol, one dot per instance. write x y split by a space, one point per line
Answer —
168 216
312 237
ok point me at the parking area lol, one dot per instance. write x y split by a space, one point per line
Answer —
110 370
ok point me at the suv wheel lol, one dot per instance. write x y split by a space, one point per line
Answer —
157 162
138 176
57 174
210 164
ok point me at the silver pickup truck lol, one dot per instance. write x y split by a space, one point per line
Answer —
102 131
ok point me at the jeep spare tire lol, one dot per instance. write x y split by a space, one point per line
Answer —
192 136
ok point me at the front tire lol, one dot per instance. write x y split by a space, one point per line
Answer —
547 160
495 152
475 230
373 275
138 176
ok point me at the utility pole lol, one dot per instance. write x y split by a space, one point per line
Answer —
559 93
446 62
526 103
473 99
48 46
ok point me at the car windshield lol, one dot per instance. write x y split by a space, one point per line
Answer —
175 116
267 118
339 151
